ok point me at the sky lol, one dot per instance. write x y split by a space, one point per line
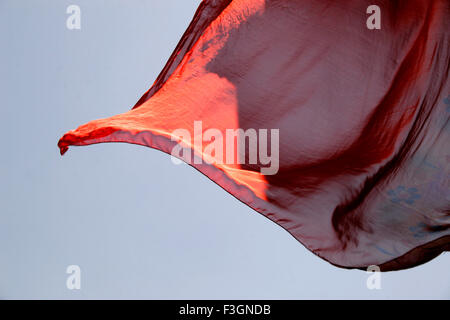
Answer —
137 225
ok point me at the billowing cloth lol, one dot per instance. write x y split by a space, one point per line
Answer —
363 119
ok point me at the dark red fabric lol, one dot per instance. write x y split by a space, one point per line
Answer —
363 119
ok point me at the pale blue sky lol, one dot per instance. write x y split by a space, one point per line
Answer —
136 224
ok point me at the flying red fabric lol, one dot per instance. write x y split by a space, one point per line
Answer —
363 118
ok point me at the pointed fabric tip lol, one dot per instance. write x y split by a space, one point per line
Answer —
63 150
